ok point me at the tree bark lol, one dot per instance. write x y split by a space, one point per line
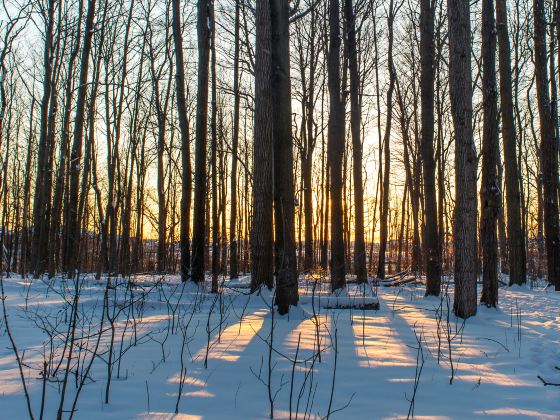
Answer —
199 212
73 221
213 156
384 228
357 153
185 145
39 206
233 257
548 147
465 224
427 76
515 236
491 188
284 200
261 232
335 149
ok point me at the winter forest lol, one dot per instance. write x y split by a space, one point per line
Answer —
248 209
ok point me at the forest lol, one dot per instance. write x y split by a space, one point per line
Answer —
279 209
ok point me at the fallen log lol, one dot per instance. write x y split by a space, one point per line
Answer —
400 282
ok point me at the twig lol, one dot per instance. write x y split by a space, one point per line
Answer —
546 383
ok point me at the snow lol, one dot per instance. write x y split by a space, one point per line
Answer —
484 367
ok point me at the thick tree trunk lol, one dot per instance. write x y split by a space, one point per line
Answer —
199 212
548 146
39 206
490 195
261 232
284 199
335 149
465 224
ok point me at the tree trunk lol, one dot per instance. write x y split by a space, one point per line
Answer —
233 257
39 206
335 148
213 157
185 146
548 146
56 214
491 187
355 126
431 238
73 229
515 236
199 212
387 148
261 232
465 224
284 200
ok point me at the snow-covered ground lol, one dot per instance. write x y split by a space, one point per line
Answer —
412 356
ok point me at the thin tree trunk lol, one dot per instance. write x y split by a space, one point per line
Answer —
213 156
517 258
185 146
233 257
355 125
431 238
387 147
73 221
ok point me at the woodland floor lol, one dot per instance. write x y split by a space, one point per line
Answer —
493 359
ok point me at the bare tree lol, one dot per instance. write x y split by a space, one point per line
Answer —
185 140
73 229
284 198
213 154
460 86
427 77
548 147
261 234
40 206
234 258
384 229
199 211
357 153
335 148
491 187
515 235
